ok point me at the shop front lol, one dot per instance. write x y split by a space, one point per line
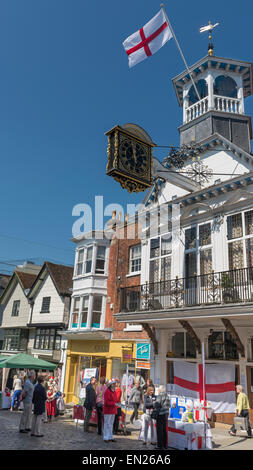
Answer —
101 359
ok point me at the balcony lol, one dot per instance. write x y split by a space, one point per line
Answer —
221 103
222 288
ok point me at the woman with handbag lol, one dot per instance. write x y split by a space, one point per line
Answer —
118 392
148 407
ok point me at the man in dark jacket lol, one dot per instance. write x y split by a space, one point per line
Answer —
162 404
90 403
39 400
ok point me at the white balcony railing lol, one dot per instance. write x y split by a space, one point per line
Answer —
227 105
220 103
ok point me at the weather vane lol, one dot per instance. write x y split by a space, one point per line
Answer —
209 28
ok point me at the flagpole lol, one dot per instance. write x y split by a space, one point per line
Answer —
204 388
180 50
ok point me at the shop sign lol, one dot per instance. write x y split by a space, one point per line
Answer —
87 374
127 356
142 365
143 351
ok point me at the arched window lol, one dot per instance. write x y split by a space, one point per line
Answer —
225 86
201 86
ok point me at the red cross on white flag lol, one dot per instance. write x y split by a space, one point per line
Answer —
219 384
148 39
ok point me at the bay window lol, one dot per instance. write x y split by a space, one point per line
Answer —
90 259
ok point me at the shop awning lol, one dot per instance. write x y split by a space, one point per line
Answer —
25 361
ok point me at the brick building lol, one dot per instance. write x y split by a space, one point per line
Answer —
105 262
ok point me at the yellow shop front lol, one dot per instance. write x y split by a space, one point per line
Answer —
108 359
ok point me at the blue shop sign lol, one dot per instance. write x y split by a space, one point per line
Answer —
143 351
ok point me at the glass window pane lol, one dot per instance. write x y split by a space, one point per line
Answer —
205 235
96 319
154 271
154 247
249 252
249 222
190 238
80 256
101 252
205 261
216 345
45 304
89 253
235 255
97 303
230 347
165 268
76 304
57 345
178 345
166 244
190 347
234 226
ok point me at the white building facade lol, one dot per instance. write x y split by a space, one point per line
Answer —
197 246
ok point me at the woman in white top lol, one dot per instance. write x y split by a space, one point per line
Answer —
17 387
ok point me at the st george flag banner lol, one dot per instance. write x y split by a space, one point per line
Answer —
148 39
219 384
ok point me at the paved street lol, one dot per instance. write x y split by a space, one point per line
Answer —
63 434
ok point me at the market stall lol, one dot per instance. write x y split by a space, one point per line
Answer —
191 436
21 362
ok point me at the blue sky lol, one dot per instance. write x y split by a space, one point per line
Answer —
64 82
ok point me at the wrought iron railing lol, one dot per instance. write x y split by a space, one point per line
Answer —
225 287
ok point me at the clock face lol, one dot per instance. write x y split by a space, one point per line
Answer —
133 156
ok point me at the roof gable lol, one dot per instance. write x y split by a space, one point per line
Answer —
234 162
61 276
25 280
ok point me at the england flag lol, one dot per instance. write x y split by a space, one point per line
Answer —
219 384
148 40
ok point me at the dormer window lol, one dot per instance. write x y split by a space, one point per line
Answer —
202 88
225 86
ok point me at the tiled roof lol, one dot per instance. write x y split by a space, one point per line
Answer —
26 279
62 277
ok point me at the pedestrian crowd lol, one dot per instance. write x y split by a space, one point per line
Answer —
47 402
40 401
106 399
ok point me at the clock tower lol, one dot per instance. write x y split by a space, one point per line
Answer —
222 85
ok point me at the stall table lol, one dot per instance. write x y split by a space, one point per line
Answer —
189 436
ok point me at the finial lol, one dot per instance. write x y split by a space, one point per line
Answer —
209 28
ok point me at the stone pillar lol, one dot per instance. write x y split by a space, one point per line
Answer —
109 368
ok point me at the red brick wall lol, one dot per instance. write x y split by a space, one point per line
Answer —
119 268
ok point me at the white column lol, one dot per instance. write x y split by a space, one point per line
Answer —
162 350
210 82
243 372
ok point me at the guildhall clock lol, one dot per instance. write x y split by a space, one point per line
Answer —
130 157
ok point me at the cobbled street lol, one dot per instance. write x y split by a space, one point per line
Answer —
64 434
